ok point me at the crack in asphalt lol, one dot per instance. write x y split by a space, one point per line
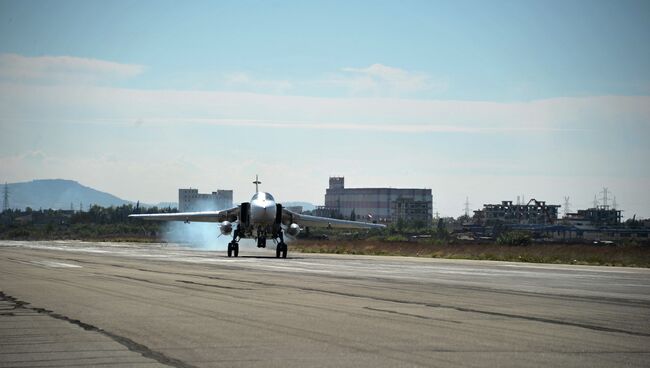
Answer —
410 315
597 299
212 285
430 305
452 307
124 341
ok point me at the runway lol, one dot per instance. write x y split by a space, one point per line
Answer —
120 304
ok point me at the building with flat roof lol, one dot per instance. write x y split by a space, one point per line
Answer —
382 205
593 218
190 200
535 212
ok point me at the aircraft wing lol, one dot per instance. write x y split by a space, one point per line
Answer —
230 214
289 217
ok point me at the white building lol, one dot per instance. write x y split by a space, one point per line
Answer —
191 200
384 205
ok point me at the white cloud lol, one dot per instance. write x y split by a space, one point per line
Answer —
63 69
382 80
91 104
241 80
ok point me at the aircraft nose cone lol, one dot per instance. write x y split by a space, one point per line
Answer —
269 208
264 211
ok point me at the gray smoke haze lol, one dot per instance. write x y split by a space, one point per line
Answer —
204 236
201 235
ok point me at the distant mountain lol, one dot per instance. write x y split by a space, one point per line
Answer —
57 194
306 206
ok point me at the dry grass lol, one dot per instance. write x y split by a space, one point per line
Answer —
587 254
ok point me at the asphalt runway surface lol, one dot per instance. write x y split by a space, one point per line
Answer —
116 304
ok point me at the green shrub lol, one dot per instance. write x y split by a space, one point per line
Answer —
396 238
514 238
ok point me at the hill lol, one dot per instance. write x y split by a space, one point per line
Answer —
57 194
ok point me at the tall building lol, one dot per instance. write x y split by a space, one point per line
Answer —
383 205
191 200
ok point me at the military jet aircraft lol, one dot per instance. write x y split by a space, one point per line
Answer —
261 218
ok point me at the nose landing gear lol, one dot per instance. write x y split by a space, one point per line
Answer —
261 242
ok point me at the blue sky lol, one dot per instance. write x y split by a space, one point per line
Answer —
482 99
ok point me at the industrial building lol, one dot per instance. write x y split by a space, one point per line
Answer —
382 205
534 212
191 200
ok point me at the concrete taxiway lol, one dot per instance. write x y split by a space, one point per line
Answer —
116 304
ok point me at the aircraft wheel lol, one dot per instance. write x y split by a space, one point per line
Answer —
229 249
235 249
281 250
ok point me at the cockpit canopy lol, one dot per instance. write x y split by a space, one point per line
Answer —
263 196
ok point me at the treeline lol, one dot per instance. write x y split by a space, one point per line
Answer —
98 223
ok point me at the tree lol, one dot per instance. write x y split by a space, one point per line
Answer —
441 230
353 215
401 225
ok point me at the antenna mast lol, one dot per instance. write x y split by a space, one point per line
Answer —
257 182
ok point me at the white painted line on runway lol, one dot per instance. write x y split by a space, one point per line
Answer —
55 264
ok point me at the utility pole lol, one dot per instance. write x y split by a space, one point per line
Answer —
567 206
5 204
435 204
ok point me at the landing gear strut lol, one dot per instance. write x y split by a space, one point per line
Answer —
281 249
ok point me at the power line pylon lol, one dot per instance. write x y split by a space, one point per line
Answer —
567 206
605 197
466 206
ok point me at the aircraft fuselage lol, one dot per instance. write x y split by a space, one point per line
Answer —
263 209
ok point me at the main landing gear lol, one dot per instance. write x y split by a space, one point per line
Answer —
233 249
281 249
233 246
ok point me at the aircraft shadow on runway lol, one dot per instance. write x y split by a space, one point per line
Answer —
262 257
